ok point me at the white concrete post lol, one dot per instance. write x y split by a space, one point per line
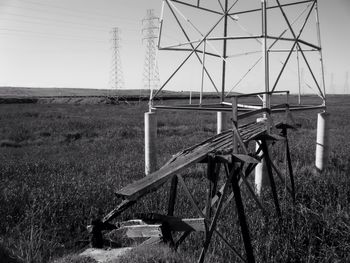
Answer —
261 176
221 121
150 142
322 141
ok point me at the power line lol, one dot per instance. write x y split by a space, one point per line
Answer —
73 37
101 16
50 19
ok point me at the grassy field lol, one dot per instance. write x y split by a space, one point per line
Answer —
60 162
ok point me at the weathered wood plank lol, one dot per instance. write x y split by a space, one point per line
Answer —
158 178
187 157
143 231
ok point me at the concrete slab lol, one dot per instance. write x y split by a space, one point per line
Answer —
104 255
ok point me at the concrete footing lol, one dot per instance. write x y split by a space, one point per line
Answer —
261 176
221 121
322 141
150 142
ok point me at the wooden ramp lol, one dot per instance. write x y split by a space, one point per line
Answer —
219 144
228 150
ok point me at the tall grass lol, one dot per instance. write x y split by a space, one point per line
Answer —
72 159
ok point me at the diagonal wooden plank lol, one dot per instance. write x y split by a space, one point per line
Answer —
158 178
187 157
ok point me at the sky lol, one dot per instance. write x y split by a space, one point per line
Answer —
67 43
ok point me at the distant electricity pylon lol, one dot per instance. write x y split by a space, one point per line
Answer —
117 80
150 34
346 85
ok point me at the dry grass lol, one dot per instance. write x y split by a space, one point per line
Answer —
73 157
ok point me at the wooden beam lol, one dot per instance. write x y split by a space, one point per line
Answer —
172 196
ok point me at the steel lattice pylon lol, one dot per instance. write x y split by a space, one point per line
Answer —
291 37
150 31
117 80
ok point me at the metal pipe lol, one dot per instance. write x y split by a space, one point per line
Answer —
202 82
198 7
150 142
271 7
287 50
320 50
260 169
322 141
293 39
233 37
299 80
265 55
187 49
247 113
161 24
224 53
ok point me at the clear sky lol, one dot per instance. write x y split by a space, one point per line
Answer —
67 43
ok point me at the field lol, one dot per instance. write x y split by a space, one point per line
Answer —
60 162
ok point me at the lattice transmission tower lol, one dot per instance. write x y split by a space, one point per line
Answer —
346 85
150 35
117 80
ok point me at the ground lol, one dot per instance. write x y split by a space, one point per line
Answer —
59 162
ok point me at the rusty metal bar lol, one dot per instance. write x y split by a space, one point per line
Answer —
224 53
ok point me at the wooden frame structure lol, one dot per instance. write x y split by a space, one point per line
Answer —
228 157
228 161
